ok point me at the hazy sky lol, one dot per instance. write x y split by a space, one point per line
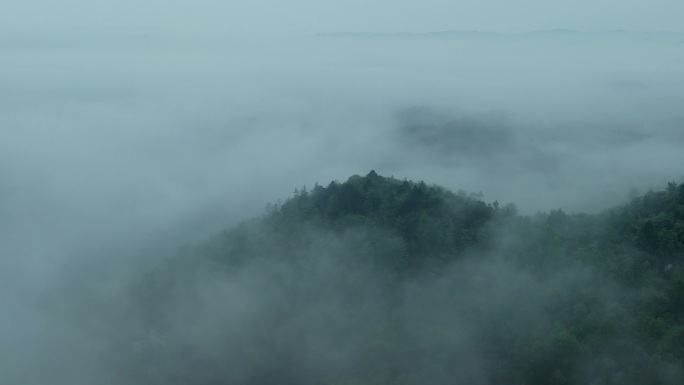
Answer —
348 15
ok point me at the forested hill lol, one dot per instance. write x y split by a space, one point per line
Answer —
384 281
424 222
432 223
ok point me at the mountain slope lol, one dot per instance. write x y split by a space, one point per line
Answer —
382 281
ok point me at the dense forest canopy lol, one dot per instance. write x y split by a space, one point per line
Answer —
384 281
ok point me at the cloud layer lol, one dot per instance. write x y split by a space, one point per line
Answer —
118 148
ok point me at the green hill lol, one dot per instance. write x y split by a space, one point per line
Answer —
384 281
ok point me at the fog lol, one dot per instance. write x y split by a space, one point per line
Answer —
153 127
117 146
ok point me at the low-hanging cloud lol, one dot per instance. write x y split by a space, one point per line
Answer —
116 150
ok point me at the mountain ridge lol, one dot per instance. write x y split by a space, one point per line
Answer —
395 281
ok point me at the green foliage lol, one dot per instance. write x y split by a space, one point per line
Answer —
433 223
553 298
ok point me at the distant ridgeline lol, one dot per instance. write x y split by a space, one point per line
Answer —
498 297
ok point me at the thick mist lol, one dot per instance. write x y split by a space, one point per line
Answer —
117 148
